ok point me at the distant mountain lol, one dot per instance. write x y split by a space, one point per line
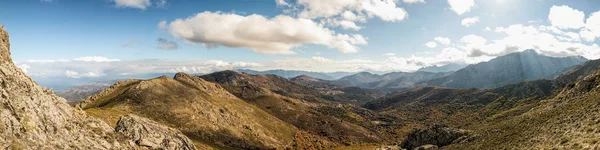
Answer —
443 68
78 93
288 73
512 68
392 81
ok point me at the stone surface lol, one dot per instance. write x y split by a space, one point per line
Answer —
435 136
150 134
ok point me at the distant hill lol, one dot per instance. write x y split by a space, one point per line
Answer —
512 68
444 68
288 73
78 93
392 81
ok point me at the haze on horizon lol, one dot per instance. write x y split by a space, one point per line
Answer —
108 39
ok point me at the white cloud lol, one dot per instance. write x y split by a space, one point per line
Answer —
442 40
140 4
95 59
24 67
345 13
461 6
431 44
389 54
591 31
386 10
467 22
345 24
282 3
413 1
276 35
72 74
546 40
76 75
565 17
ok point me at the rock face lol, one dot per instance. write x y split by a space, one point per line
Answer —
435 136
150 134
32 117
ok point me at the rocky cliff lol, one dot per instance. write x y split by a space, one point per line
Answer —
32 117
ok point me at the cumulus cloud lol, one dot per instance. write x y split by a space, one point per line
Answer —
591 30
165 44
442 40
278 35
346 13
431 44
467 22
386 10
389 54
461 6
547 40
565 17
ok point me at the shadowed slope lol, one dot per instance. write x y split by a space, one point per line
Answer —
301 106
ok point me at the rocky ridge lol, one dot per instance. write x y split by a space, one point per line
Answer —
32 117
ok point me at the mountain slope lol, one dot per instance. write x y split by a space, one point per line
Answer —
445 68
34 118
393 81
508 69
302 106
204 111
568 121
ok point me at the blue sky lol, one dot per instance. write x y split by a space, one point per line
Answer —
93 38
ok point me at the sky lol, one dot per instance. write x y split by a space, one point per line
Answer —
97 39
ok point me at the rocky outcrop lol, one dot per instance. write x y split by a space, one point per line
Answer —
32 117
435 136
148 133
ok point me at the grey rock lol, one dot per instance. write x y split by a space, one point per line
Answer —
150 134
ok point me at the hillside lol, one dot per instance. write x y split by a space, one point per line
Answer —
301 106
475 109
568 121
204 111
512 68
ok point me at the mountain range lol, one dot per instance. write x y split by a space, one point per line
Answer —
529 101
295 73
512 68
509 69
